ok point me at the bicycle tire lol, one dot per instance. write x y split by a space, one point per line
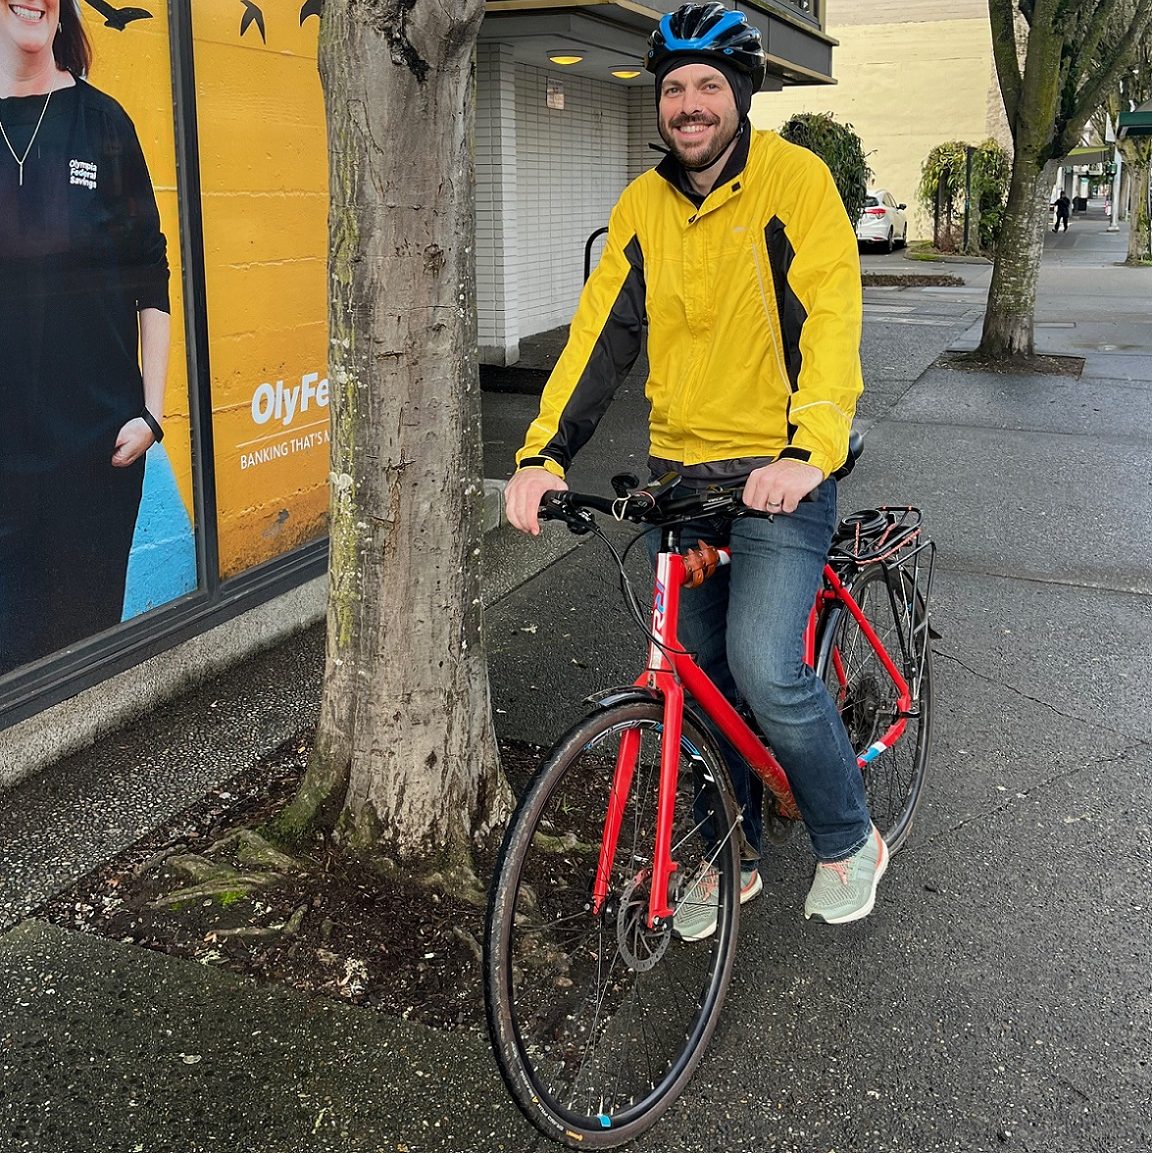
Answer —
867 699
597 1022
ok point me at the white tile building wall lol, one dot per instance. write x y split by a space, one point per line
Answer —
497 292
572 164
642 129
546 179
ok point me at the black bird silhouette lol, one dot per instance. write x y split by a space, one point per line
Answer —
252 15
311 8
118 18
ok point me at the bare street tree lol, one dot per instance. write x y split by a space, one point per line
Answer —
1054 72
405 766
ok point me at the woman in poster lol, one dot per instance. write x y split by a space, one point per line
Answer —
84 335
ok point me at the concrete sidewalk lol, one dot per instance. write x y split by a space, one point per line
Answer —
997 999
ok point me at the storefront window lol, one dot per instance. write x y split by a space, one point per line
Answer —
96 509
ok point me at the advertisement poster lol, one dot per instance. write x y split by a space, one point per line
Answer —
264 189
95 511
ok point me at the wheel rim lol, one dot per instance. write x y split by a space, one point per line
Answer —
606 1016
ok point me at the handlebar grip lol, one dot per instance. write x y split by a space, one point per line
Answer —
555 505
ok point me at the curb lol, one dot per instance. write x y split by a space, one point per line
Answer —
493 504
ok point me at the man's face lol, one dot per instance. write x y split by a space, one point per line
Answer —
698 118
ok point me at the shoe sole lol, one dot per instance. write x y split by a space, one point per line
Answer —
862 912
754 889
745 896
695 936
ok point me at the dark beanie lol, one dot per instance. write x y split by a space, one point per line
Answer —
740 82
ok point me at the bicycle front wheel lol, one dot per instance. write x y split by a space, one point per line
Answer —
598 1021
867 697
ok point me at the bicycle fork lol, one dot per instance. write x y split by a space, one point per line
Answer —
659 677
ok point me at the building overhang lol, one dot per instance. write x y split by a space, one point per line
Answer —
612 36
1087 155
1136 123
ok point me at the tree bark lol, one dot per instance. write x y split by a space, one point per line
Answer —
405 764
974 248
1139 234
1139 156
1009 319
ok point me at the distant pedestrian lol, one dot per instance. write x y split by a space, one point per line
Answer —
1063 205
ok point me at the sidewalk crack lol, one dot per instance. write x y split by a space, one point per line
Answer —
1018 692
1024 793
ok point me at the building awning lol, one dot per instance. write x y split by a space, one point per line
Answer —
611 36
1087 155
1137 122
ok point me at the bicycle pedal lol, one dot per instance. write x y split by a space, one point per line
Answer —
777 829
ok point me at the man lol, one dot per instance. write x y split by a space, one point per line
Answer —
1063 205
739 253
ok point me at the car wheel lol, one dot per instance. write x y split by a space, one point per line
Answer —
904 237
890 243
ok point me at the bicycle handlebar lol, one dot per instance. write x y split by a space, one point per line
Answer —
651 504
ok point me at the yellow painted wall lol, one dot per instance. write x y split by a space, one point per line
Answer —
133 67
264 182
905 85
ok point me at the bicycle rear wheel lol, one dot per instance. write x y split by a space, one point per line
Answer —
868 699
598 1021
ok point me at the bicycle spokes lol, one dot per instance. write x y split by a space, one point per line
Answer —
609 1011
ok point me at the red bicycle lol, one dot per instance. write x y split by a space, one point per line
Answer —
598 1012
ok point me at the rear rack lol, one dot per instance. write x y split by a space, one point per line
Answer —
873 535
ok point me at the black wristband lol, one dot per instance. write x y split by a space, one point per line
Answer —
153 424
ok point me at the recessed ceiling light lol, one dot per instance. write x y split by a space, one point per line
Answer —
565 58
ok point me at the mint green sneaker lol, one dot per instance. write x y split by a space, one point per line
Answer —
697 910
844 891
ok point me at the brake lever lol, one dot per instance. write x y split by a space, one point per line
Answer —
554 506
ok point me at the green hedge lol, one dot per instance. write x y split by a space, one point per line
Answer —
840 148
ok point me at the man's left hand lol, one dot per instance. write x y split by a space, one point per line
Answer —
781 485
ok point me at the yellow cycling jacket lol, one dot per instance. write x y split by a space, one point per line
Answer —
754 309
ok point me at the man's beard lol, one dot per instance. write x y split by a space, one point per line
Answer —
697 160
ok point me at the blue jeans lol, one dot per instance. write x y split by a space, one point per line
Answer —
746 627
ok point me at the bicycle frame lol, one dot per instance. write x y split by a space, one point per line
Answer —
671 671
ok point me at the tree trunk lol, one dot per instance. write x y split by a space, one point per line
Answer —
1137 158
948 240
974 247
405 764
1009 320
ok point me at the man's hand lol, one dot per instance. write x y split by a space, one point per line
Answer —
132 441
523 494
781 485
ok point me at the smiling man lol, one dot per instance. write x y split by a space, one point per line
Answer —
738 253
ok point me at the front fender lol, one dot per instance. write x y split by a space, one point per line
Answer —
622 695
628 694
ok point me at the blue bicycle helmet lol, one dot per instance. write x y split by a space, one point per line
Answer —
706 33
